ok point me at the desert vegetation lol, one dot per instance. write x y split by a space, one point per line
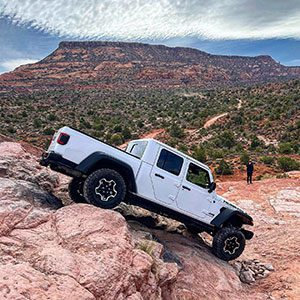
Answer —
262 121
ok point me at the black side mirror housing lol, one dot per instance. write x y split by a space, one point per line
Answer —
212 187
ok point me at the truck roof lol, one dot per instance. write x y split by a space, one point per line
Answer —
174 150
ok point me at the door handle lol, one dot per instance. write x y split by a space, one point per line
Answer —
160 176
186 188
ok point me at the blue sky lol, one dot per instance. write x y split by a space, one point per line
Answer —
30 30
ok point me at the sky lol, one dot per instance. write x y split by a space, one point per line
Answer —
32 29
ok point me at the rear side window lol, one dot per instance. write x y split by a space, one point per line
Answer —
170 162
137 148
198 176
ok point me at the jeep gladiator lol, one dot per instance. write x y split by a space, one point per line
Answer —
152 175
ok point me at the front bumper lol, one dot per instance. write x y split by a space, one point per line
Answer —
247 233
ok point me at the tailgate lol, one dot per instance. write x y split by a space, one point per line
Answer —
53 142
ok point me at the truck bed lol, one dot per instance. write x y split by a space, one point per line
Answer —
82 145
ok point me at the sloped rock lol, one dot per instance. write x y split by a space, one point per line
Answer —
16 191
200 274
78 242
77 250
21 281
17 163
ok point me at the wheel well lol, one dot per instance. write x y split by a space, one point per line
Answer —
230 217
234 221
126 173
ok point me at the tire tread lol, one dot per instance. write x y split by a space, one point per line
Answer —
89 192
220 236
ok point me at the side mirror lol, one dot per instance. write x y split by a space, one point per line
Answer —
212 187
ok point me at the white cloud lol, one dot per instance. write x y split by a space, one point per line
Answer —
159 19
294 62
14 63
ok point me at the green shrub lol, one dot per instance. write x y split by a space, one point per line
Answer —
117 128
267 160
176 131
98 127
52 117
200 154
183 148
146 247
48 131
126 133
286 148
288 164
226 139
140 124
11 129
37 123
244 158
218 153
255 143
116 139
224 168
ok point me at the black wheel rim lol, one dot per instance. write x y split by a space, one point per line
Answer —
231 245
106 189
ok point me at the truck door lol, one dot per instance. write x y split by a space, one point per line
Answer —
193 196
166 176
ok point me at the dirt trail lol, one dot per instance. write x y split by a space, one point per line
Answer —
213 120
153 134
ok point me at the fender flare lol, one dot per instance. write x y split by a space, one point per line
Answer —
227 213
99 159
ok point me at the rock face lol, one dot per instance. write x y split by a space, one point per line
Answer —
116 64
274 204
83 252
78 251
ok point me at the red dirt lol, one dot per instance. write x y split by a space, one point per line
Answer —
213 120
153 134
275 206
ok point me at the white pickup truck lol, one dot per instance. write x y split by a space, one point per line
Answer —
151 175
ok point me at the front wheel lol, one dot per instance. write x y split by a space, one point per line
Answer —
228 243
105 188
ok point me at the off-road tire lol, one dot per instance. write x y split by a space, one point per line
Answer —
228 243
75 190
104 188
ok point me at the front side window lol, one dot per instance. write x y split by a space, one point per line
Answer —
170 162
198 176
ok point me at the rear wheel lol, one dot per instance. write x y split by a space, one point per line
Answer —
228 243
105 188
76 190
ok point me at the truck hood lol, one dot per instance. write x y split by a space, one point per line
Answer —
228 204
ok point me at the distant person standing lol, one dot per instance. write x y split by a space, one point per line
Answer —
250 169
